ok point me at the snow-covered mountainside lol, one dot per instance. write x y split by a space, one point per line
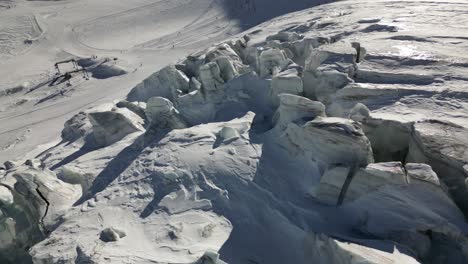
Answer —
336 134
130 38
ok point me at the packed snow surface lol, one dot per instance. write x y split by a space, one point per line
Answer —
335 134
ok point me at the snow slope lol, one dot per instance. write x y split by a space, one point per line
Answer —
144 35
335 134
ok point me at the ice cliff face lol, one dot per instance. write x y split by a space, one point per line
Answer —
307 140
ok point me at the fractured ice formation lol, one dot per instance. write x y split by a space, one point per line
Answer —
32 203
286 145
161 113
296 108
111 126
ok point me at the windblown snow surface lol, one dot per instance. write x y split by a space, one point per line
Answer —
334 134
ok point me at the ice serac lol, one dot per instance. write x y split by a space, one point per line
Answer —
331 140
196 107
342 184
31 202
161 113
219 65
50 195
323 249
314 59
272 61
444 146
287 82
331 184
136 107
374 176
303 47
111 126
323 84
368 179
210 76
398 195
226 68
296 108
165 83
394 145
421 173
75 176
77 127
239 45
399 189
328 69
220 51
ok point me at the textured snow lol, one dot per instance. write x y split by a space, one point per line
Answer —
336 134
